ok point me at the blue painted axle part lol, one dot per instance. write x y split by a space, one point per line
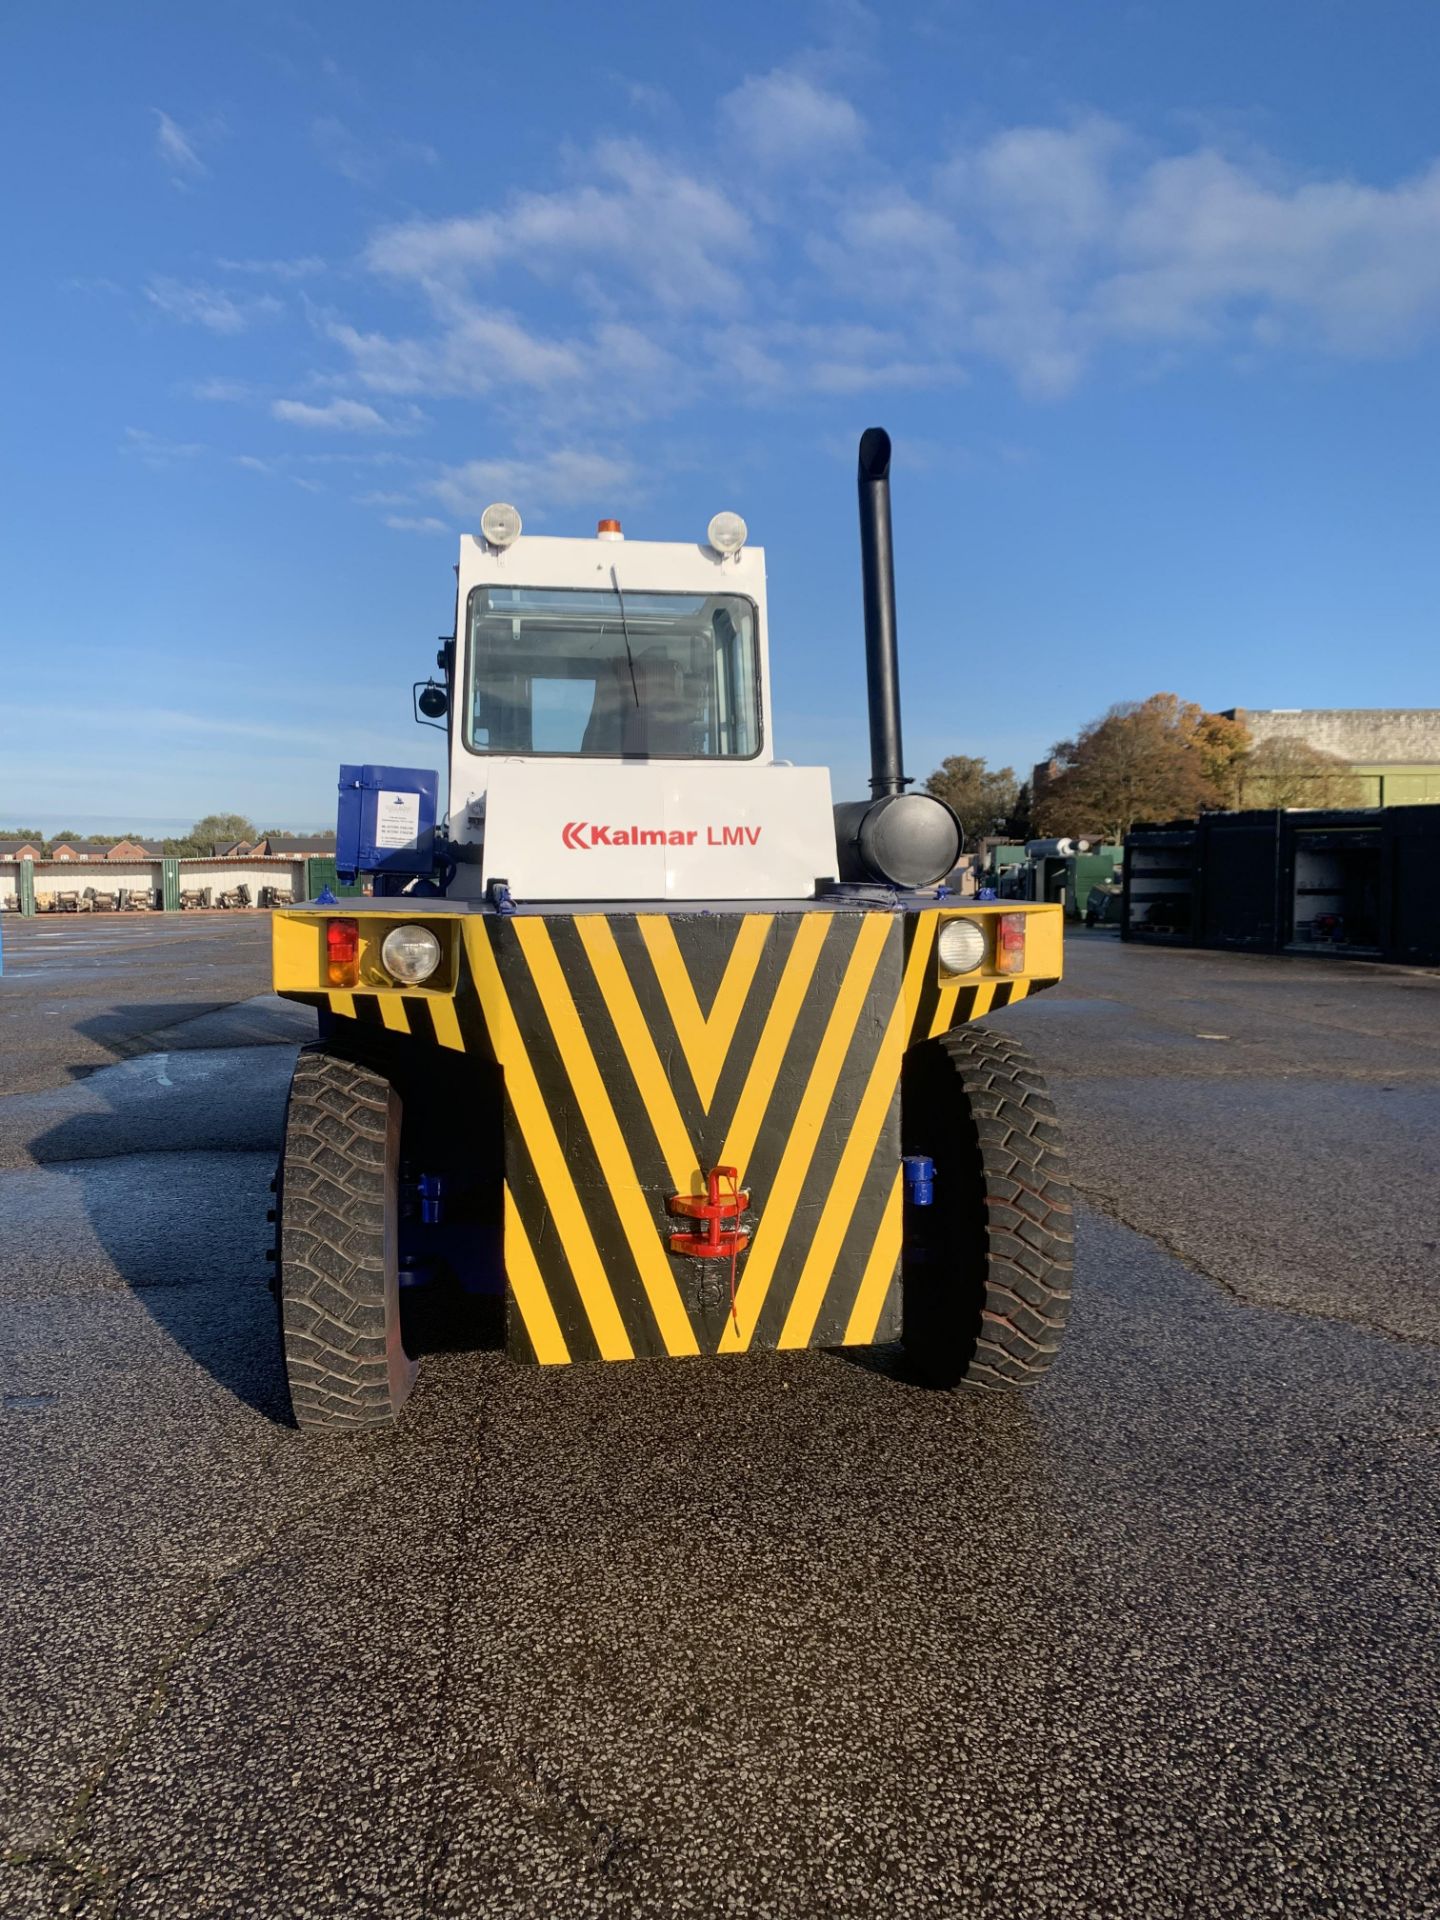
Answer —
919 1176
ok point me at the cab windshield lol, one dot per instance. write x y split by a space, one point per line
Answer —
571 670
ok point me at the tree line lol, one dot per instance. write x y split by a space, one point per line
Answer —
1143 760
214 830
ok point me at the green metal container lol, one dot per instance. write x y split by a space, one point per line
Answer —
320 873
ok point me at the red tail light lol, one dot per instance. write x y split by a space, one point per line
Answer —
342 952
1010 944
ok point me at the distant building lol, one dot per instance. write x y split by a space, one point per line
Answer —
1394 752
20 850
134 850
286 846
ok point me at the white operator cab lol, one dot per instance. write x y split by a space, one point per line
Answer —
611 733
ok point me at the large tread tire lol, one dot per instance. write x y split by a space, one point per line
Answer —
987 1267
337 1276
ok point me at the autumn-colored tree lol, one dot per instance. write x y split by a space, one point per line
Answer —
1223 744
1141 760
981 797
1282 772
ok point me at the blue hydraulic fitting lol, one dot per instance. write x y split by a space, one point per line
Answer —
431 1189
919 1171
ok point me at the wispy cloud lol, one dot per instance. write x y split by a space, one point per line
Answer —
231 392
176 149
638 218
156 451
209 307
170 720
364 162
563 477
303 268
428 524
344 416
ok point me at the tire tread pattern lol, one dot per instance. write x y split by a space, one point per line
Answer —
332 1278
1022 1245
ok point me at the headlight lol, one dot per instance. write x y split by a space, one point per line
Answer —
410 953
960 946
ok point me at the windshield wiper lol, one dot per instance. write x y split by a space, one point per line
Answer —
625 629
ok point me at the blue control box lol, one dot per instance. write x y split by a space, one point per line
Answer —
386 821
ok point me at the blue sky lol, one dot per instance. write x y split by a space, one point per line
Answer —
1147 294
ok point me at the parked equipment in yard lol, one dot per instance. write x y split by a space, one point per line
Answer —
234 896
192 898
646 1037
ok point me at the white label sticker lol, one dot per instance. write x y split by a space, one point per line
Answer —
397 819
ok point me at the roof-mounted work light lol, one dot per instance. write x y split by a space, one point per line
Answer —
500 525
727 533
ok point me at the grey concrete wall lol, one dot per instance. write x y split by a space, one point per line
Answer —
1358 734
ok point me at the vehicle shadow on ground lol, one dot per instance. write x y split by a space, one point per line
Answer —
163 1163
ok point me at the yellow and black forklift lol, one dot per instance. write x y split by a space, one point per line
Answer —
646 1039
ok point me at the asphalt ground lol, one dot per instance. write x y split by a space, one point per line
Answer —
778 1636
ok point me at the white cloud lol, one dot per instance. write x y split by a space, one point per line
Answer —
176 149
564 477
209 307
1043 247
476 348
343 416
781 119
428 524
232 392
639 218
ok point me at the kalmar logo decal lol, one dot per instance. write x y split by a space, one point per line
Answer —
581 835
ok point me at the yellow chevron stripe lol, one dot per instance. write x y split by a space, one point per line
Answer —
343 1004
779 1203
879 1272
839 1208
527 1289
547 1154
978 1000
638 1044
636 1210
705 1041
1018 990
754 1101
944 1011
447 1022
922 945
392 1012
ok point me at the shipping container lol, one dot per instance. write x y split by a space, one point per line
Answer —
1412 866
1161 884
1335 886
1239 859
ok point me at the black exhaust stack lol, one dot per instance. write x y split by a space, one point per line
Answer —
877 570
895 838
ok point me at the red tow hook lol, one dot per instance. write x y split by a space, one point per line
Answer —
717 1242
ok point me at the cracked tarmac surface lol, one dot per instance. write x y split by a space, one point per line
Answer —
784 1635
